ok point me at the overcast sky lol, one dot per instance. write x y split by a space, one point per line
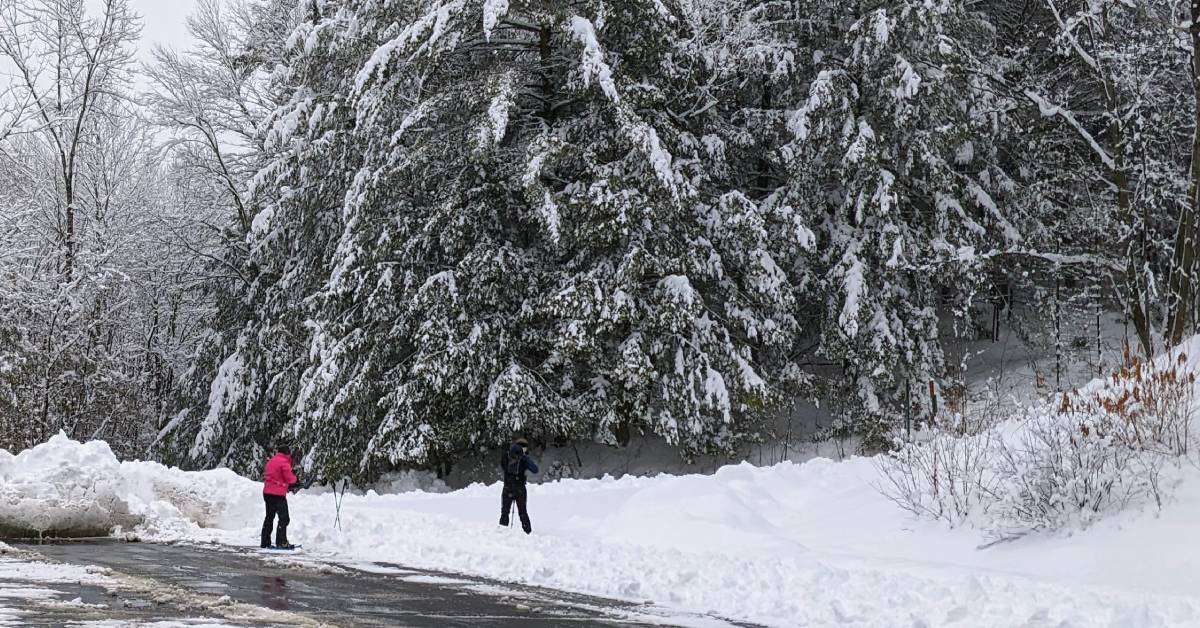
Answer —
163 22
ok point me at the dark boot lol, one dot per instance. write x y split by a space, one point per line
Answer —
281 539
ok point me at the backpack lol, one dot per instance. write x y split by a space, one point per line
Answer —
513 468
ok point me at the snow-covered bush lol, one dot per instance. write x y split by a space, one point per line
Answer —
1065 474
1097 451
407 481
948 472
1150 406
390 483
1102 449
945 477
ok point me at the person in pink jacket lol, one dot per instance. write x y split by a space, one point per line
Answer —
278 479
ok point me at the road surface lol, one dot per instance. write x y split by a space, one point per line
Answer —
220 587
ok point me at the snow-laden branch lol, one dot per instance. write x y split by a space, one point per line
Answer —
968 254
1051 110
1068 31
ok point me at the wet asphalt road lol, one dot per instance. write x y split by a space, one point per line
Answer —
320 594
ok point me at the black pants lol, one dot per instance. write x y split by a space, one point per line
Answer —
515 491
276 505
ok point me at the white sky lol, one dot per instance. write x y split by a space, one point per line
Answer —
163 22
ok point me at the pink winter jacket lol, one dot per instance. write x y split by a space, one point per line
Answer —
278 476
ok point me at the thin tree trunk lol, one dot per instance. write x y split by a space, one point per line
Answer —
1137 294
1183 274
69 264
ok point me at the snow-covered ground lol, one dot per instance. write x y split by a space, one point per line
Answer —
810 544
794 544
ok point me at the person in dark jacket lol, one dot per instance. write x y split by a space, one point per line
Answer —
278 479
515 462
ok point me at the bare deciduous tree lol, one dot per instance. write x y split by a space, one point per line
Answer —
71 68
214 99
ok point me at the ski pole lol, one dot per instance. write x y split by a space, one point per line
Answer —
337 501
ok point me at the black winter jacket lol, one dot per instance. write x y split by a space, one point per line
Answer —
526 464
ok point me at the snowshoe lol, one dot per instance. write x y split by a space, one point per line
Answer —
281 549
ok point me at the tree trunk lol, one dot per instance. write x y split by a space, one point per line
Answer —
1136 293
1183 276
1137 296
69 245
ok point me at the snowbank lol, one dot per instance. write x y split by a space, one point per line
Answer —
789 545
67 489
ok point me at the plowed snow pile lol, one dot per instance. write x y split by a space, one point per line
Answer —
64 488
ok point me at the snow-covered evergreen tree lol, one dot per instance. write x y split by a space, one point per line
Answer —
590 220
498 217
892 159
215 100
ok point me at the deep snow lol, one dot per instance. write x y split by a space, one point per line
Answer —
810 544
794 544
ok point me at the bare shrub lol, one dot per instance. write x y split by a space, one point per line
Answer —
945 477
1067 473
946 473
1098 451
